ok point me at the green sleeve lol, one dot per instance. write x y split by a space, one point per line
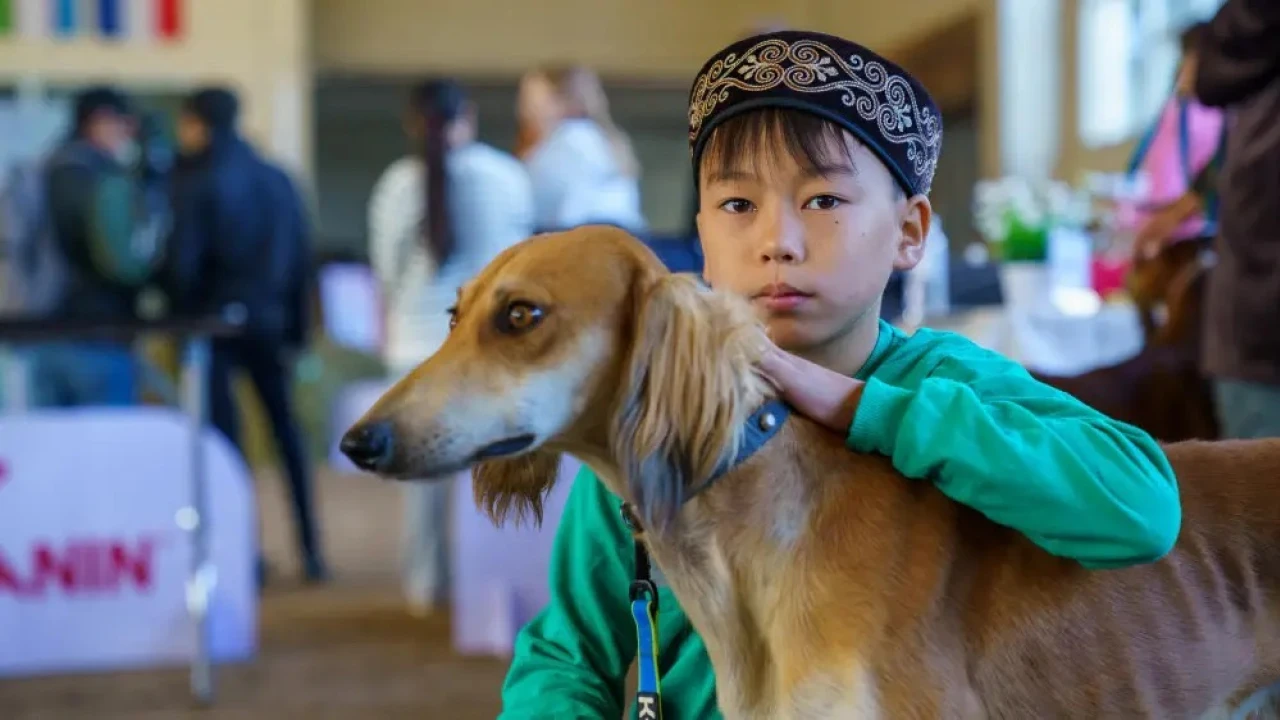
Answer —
571 661
1027 456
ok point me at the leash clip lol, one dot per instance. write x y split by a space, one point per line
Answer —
645 590
644 609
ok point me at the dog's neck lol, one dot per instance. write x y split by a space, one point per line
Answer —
757 429
681 435
718 586
754 414
760 427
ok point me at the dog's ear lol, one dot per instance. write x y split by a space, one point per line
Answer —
683 377
516 486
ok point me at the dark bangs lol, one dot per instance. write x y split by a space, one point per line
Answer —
753 140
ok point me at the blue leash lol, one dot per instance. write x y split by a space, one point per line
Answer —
644 610
761 426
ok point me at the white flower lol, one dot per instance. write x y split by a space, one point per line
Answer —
997 202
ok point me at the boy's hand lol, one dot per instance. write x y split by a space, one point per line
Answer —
821 394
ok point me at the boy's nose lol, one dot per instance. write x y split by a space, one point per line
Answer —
784 242
785 248
779 255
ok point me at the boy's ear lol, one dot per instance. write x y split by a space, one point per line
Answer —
917 214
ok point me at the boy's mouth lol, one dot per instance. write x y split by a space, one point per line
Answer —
781 297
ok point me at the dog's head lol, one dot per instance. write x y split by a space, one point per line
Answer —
575 342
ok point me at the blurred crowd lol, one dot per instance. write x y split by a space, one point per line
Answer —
115 225
439 214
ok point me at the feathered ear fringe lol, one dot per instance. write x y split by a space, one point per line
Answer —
692 365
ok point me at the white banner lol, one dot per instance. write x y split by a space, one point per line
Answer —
93 563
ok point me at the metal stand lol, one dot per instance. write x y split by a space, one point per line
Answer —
14 366
194 518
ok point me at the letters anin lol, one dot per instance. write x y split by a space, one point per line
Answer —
81 566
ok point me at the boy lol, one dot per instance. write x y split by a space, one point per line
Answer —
813 159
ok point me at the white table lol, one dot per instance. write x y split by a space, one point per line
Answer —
1051 342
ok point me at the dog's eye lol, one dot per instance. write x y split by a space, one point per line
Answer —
519 316
453 317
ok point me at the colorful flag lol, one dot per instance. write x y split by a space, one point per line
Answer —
34 18
7 22
65 17
169 19
110 18
134 20
140 20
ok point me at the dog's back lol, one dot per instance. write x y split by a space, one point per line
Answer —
959 617
1169 639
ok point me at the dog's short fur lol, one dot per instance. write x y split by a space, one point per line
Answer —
824 584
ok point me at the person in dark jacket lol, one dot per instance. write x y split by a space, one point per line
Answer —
1238 68
96 152
240 249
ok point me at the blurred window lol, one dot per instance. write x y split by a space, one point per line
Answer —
1128 54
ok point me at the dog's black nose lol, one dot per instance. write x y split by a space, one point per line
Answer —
368 445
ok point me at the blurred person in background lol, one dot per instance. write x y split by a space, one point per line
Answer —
240 249
85 241
1176 161
583 167
436 217
1238 68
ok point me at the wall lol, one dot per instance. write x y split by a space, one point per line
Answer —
652 40
262 47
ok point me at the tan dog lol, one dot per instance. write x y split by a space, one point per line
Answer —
824 584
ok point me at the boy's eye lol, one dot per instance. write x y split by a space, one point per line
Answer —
736 205
823 202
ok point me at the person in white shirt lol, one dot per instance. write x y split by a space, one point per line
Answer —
436 218
582 165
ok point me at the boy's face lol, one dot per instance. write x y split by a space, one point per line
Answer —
813 249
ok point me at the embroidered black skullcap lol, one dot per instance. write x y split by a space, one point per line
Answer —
841 81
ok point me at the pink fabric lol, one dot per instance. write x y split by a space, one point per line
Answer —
1109 274
1162 168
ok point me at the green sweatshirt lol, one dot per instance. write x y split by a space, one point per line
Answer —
976 424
